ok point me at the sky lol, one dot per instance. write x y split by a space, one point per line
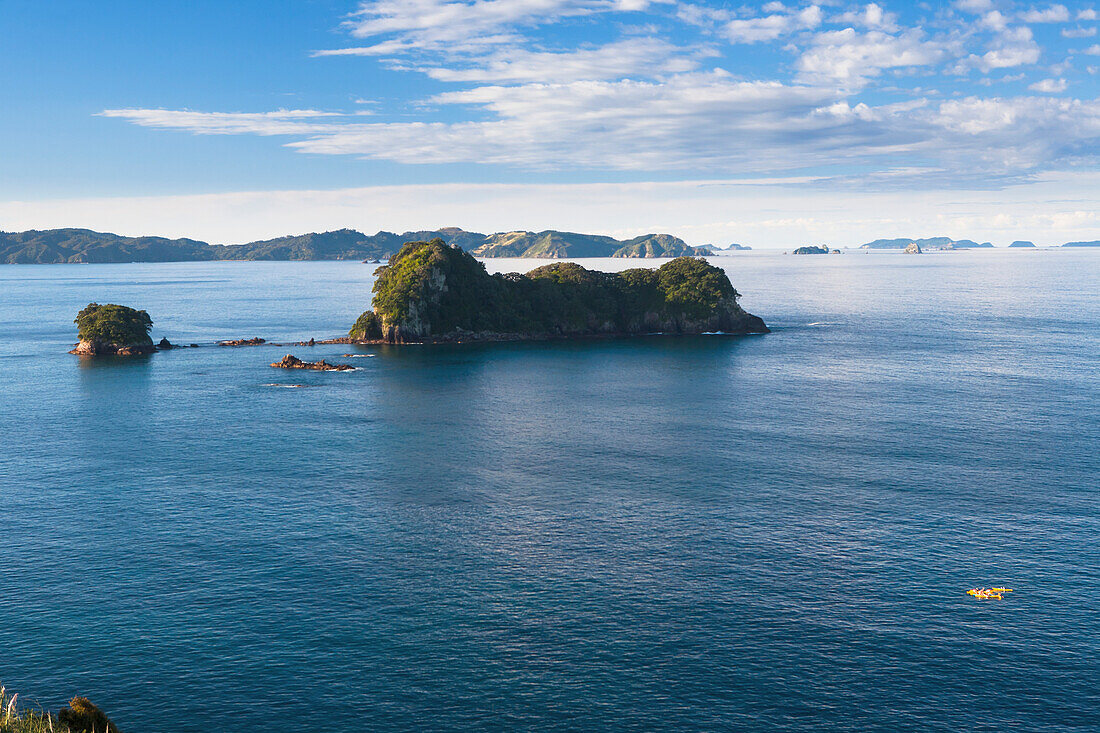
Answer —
770 124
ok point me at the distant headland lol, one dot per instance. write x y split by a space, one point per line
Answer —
56 246
84 246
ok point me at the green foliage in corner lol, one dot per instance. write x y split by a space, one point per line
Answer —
114 324
432 290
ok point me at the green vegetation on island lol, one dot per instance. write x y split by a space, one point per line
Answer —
433 291
113 329
811 250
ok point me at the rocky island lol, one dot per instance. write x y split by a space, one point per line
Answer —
811 250
113 330
435 292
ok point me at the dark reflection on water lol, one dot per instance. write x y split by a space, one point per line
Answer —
702 533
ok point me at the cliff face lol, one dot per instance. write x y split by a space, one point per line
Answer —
431 291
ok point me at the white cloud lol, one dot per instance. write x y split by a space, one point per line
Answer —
1078 32
849 58
995 20
648 56
1052 14
1049 86
771 27
1088 14
974 6
1012 47
871 16
1093 50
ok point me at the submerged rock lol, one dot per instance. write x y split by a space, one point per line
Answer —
243 342
292 362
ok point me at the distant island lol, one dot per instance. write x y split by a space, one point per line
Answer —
727 250
927 245
432 291
1022 243
811 250
83 246
55 246
557 245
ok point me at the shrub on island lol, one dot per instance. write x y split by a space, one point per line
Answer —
113 329
433 291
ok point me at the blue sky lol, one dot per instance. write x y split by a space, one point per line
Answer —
772 123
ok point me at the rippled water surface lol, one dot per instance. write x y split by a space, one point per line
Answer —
699 533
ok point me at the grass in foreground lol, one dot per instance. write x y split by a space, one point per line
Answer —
80 717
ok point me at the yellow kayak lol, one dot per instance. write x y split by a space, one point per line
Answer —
988 592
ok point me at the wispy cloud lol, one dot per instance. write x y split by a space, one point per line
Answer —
884 87
614 61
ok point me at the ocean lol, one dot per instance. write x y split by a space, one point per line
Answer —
769 532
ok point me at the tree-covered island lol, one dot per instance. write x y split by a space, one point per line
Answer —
113 329
431 291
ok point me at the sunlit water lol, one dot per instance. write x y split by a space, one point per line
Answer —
704 533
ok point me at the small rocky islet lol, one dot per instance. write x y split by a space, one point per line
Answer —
433 292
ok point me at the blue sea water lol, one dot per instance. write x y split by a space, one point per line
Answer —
666 533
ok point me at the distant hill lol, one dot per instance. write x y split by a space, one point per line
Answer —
1082 244
83 245
931 243
1022 243
55 246
731 248
553 244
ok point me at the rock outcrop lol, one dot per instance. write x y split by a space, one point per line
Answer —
912 249
292 362
243 342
